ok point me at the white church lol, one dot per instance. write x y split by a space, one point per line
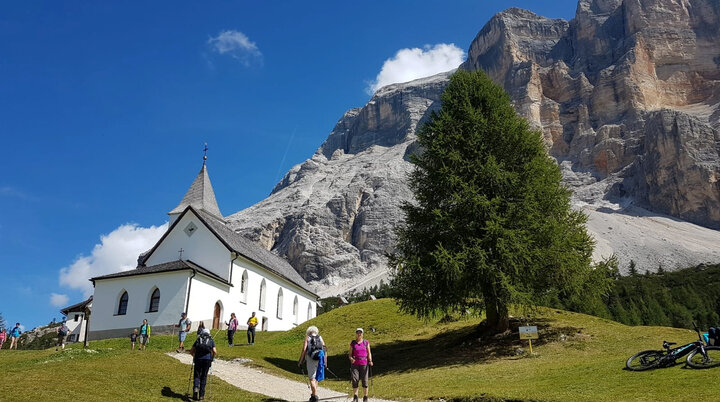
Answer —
202 267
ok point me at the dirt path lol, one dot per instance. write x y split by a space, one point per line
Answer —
255 380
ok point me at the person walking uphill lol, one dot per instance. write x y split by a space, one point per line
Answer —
184 325
15 335
252 322
203 352
3 337
232 327
313 353
360 357
144 334
62 332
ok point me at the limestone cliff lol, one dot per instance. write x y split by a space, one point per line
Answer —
627 97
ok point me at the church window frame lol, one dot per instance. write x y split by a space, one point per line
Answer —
123 302
309 311
295 309
244 287
154 301
263 291
279 312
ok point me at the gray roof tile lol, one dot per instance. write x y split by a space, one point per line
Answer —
200 196
177 265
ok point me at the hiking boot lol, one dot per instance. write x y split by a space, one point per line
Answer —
195 396
365 399
355 398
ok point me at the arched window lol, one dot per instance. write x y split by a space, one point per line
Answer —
309 315
154 301
262 295
295 309
244 287
280 304
122 305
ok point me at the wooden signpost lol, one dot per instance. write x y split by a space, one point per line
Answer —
528 333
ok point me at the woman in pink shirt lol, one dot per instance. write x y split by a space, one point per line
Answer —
3 337
232 327
360 358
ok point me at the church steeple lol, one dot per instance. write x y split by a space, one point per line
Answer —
200 195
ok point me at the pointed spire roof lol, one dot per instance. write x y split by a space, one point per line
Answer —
200 196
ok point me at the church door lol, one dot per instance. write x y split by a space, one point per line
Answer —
216 316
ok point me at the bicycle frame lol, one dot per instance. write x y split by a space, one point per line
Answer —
676 353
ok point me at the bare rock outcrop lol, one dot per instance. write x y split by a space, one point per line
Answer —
626 95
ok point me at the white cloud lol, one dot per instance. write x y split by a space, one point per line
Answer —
411 64
59 300
237 45
117 251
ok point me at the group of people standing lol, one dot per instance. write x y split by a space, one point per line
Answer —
14 335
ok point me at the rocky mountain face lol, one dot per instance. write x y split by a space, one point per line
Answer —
627 96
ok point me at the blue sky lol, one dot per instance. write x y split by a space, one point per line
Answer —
105 106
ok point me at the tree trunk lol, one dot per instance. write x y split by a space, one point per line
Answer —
497 316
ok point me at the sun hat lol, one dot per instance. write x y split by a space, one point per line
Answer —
359 330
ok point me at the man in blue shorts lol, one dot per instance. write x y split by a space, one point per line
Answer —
184 325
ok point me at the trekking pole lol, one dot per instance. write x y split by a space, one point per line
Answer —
190 380
372 388
307 380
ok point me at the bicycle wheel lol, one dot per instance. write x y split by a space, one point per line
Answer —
711 359
644 360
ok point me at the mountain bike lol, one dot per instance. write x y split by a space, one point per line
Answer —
699 355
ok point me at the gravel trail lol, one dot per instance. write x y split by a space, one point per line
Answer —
255 380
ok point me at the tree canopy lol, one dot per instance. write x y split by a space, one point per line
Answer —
491 224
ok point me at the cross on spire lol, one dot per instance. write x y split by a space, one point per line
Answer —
205 154
181 251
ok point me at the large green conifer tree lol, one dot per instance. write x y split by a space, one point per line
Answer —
491 224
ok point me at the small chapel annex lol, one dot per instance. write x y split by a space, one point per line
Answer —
202 267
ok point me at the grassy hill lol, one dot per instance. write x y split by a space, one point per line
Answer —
578 357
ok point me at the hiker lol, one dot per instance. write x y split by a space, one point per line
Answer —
133 338
232 327
184 325
203 352
252 322
313 353
3 336
15 335
360 357
144 334
62 331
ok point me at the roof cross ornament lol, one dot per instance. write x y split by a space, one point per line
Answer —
205 154
180 251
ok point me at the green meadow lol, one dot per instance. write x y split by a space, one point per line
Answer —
578 357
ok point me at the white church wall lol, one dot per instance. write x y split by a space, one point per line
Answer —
76 328
201 247
273 283
106 323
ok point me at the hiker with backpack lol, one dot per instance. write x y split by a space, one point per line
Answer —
15 335
313 353
184 325
232 327
144 334
203 352
62 332
360 360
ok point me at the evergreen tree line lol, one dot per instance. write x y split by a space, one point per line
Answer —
662 298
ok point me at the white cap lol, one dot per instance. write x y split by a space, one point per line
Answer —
359 329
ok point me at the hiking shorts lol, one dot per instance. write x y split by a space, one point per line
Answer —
143 339
359 373
181 336
312 366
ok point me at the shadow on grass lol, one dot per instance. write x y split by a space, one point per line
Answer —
169 393
466 345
